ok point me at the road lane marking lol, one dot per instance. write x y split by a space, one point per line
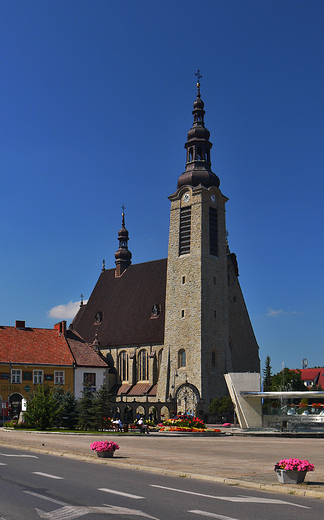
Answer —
119 493
44 497
211 515
71 512
239 498
2 464
10 455
47 475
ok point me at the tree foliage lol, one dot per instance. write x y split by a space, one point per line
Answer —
42 408
287 380
221 405
267 375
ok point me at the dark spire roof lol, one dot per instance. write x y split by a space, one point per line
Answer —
198 165
123 255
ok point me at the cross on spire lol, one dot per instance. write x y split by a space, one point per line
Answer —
199 76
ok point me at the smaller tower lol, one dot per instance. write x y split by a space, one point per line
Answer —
123 255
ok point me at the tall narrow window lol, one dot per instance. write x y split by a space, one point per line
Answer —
182 358
185 230
123 366
142 366
213 232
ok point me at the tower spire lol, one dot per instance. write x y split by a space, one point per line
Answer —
198 146
123 256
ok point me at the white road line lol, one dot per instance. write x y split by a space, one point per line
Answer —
119 493
47 475
2 464
71 512
239 498
45 498
211 515
10 455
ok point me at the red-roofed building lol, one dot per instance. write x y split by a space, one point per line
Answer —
31 356
313 378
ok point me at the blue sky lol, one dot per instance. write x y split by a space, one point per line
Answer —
96 100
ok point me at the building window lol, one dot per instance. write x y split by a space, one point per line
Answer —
15 376
215 314
213 232
213 359
38 377
185 230
182 313
89 378
123 366
182 358
59 377
142 365
183 280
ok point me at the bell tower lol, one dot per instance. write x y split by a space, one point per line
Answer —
123 256
196 343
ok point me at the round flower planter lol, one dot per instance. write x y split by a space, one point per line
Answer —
286 476
106 454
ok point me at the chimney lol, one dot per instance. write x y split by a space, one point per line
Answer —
61 327
19 324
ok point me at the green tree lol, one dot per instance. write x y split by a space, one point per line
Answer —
287 380
86 415
101 406
221 405
67 404
267 375
42 408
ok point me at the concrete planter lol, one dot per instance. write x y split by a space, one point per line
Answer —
106 454
286 476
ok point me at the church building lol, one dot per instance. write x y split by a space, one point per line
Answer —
170 329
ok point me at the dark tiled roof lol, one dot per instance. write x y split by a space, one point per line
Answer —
126 304
153 390
84 354
123 389
34 346
140 389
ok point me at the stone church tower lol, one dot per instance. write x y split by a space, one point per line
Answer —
171 328
197 343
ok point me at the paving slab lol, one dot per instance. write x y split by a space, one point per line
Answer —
242 460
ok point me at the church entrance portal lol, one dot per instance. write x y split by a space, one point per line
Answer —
187 397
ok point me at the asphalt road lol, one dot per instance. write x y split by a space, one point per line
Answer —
35 485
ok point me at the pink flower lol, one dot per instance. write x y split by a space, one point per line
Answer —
104 446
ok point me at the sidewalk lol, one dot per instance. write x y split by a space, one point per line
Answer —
245 461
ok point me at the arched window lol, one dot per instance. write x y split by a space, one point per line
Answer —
123 366
182 358
142 365
190 154
199 153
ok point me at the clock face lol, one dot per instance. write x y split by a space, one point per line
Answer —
213 198
186 197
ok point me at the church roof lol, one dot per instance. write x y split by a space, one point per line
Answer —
125 310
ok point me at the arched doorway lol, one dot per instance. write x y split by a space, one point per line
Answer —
128 414
187 397
15 405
